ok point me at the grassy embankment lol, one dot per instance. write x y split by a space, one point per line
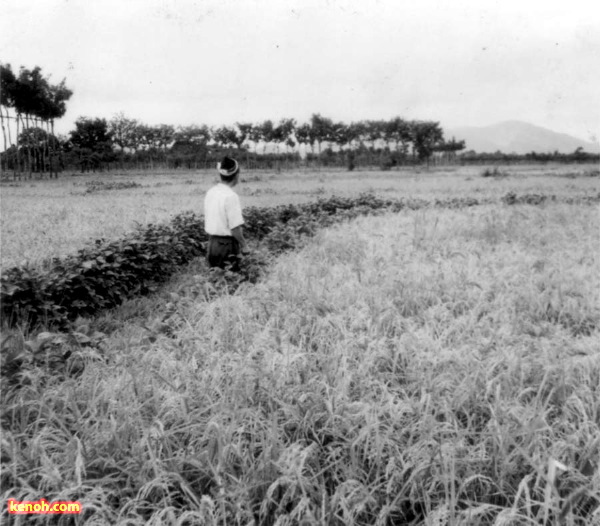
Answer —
43 219
438 366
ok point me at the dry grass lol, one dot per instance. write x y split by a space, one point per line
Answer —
434 366
43 219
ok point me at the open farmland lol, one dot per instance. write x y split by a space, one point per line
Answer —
43 219
432 366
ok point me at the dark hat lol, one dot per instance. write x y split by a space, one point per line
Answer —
228 167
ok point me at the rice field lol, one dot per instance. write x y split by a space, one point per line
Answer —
44 219
431 367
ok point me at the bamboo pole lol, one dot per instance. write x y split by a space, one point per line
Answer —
5 144
51 148
44 147
35 143
41 146
56 160
9 136
47 147
26 128
8 117
18 152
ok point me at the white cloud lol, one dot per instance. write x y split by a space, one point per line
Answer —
179 61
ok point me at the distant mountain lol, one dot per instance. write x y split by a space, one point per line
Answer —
518 137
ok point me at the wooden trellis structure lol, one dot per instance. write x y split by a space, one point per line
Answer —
28 107
31 149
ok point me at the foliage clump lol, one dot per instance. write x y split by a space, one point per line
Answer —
98 185
495 172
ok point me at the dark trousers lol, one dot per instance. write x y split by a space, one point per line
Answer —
223 250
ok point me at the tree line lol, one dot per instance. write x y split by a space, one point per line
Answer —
34 104
128 142
124 142
579 155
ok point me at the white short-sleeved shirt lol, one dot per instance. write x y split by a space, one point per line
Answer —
222 210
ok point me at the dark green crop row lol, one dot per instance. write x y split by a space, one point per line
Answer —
105 274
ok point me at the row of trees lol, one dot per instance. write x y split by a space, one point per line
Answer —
30 105
418 138
129 141
386 144
33 103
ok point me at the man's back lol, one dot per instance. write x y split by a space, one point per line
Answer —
222 210
223 218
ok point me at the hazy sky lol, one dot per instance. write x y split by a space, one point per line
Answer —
459 62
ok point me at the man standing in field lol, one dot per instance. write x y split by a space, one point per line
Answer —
223 218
